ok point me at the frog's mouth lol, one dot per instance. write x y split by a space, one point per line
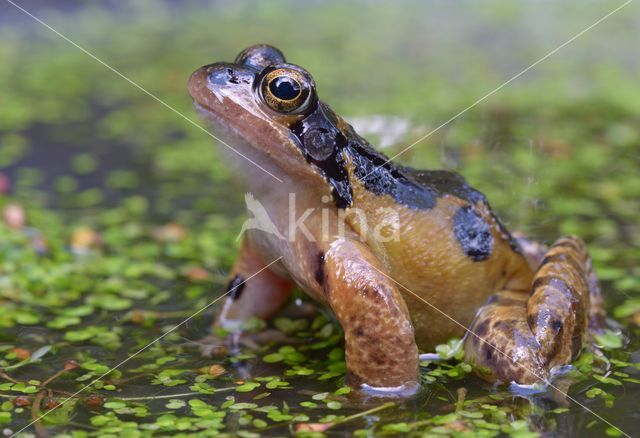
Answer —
224 130
236 138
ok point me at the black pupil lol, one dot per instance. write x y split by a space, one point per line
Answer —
284 88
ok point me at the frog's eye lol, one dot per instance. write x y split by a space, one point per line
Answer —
286 90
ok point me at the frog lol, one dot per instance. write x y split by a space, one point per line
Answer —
404 259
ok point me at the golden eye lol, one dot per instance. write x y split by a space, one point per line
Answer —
285 90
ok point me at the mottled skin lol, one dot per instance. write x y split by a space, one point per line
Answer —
436 240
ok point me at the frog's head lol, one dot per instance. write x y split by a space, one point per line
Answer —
262 104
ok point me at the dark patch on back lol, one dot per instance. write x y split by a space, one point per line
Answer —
320 269
473 234
381 177
236 287
447 182
444 181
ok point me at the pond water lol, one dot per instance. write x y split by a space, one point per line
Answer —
132 216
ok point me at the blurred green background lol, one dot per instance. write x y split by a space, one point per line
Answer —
131 215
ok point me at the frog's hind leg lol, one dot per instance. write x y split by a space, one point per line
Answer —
519 336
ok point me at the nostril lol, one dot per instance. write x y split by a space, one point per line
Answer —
222 74
232 77
218 75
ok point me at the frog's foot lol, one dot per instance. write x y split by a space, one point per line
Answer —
520 336
380 348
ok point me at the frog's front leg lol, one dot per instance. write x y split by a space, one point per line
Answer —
381 352
521 335
253 290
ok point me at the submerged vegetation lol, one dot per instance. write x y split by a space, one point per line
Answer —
120 219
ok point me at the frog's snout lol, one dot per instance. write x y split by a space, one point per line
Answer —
213 79
219 74
197 83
